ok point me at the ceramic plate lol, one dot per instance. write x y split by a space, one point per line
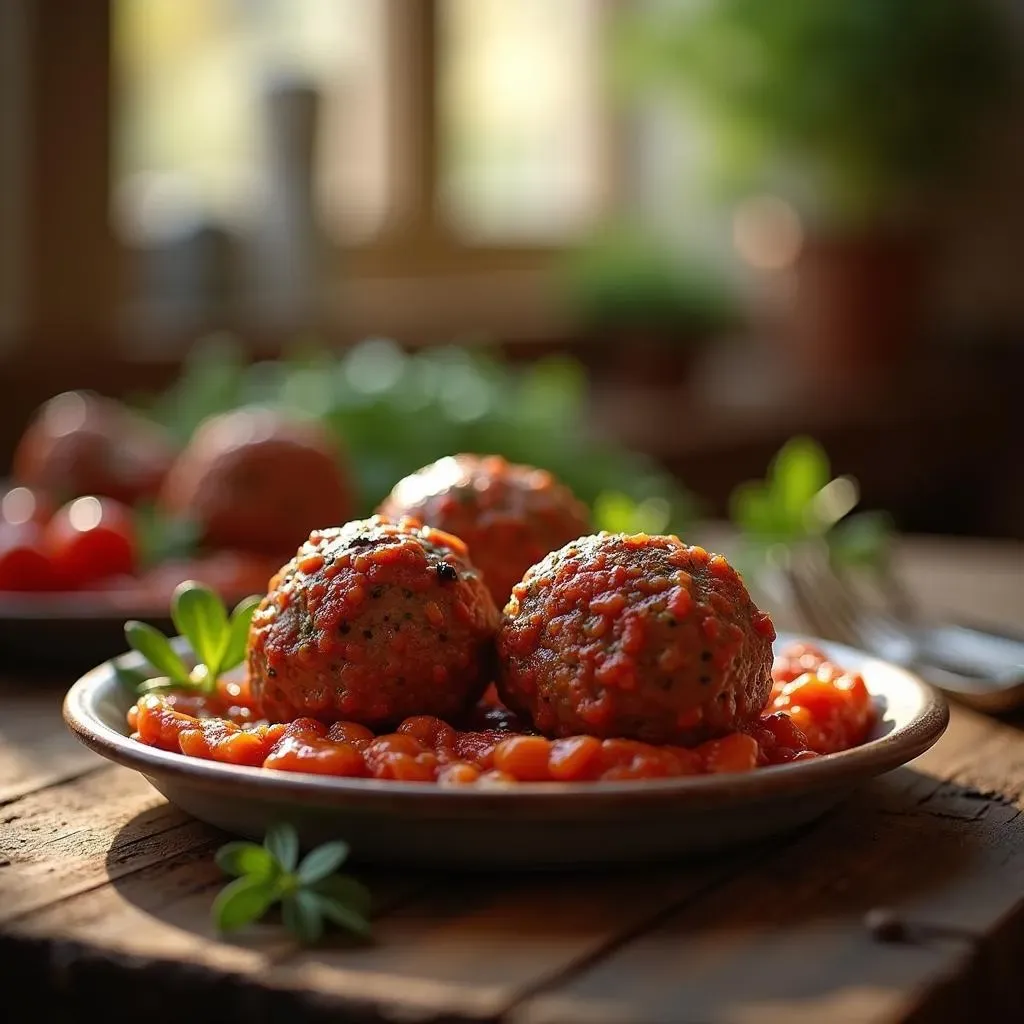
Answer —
527 824
69 631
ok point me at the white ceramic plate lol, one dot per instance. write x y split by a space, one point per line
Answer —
527 824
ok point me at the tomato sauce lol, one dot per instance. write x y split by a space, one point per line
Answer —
815 708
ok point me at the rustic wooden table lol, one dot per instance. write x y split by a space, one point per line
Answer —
105 893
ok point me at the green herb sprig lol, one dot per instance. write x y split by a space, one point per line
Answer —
310 893
217 639
800 500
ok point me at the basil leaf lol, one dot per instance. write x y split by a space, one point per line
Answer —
156 649
321 862
750 508
241 901
301 913
163 538
863 539
199 615
341 914
615 512
243 858
238 633
346 890
283 842
132 679
799 471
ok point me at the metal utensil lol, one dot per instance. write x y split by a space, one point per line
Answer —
977 665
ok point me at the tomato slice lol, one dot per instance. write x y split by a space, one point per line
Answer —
24 563
91 539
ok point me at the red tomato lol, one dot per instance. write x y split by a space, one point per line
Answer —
91 539
25 505
24 564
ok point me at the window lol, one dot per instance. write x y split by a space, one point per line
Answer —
196 135
460 145
513 111
519 115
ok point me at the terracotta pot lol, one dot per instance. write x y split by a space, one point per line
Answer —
859 302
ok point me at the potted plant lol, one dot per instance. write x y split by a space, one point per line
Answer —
643 311
860 114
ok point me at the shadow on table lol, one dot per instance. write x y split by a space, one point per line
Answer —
905 841
895 841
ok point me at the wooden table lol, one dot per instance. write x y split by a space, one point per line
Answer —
105 892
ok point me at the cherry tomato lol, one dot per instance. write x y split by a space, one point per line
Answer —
91 539
24 563
25 505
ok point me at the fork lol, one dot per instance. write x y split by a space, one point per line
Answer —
978 665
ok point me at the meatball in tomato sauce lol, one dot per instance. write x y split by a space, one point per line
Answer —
81 443
641 637
509 515
256 479
373 622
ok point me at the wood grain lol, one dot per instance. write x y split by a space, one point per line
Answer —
35 750
470 949
72 837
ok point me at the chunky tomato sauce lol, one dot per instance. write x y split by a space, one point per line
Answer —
815 708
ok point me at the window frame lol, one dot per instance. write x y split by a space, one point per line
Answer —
73 279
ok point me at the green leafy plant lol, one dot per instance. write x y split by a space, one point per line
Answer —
856 103
624 279
217 639
162 537
393 411
799 499
310 893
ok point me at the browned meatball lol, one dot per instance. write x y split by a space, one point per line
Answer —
372 623
635 636
509 515
80 443
258 480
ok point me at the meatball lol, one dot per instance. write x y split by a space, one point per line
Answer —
511 516
373 622
232 574
258 480
638 637
81 443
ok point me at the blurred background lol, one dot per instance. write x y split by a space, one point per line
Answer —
684 231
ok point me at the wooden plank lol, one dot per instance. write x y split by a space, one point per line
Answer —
149 932
471 947
161 911
787 941
468 948
35 749
70 838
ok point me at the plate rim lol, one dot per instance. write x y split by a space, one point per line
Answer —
87 606
872 758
